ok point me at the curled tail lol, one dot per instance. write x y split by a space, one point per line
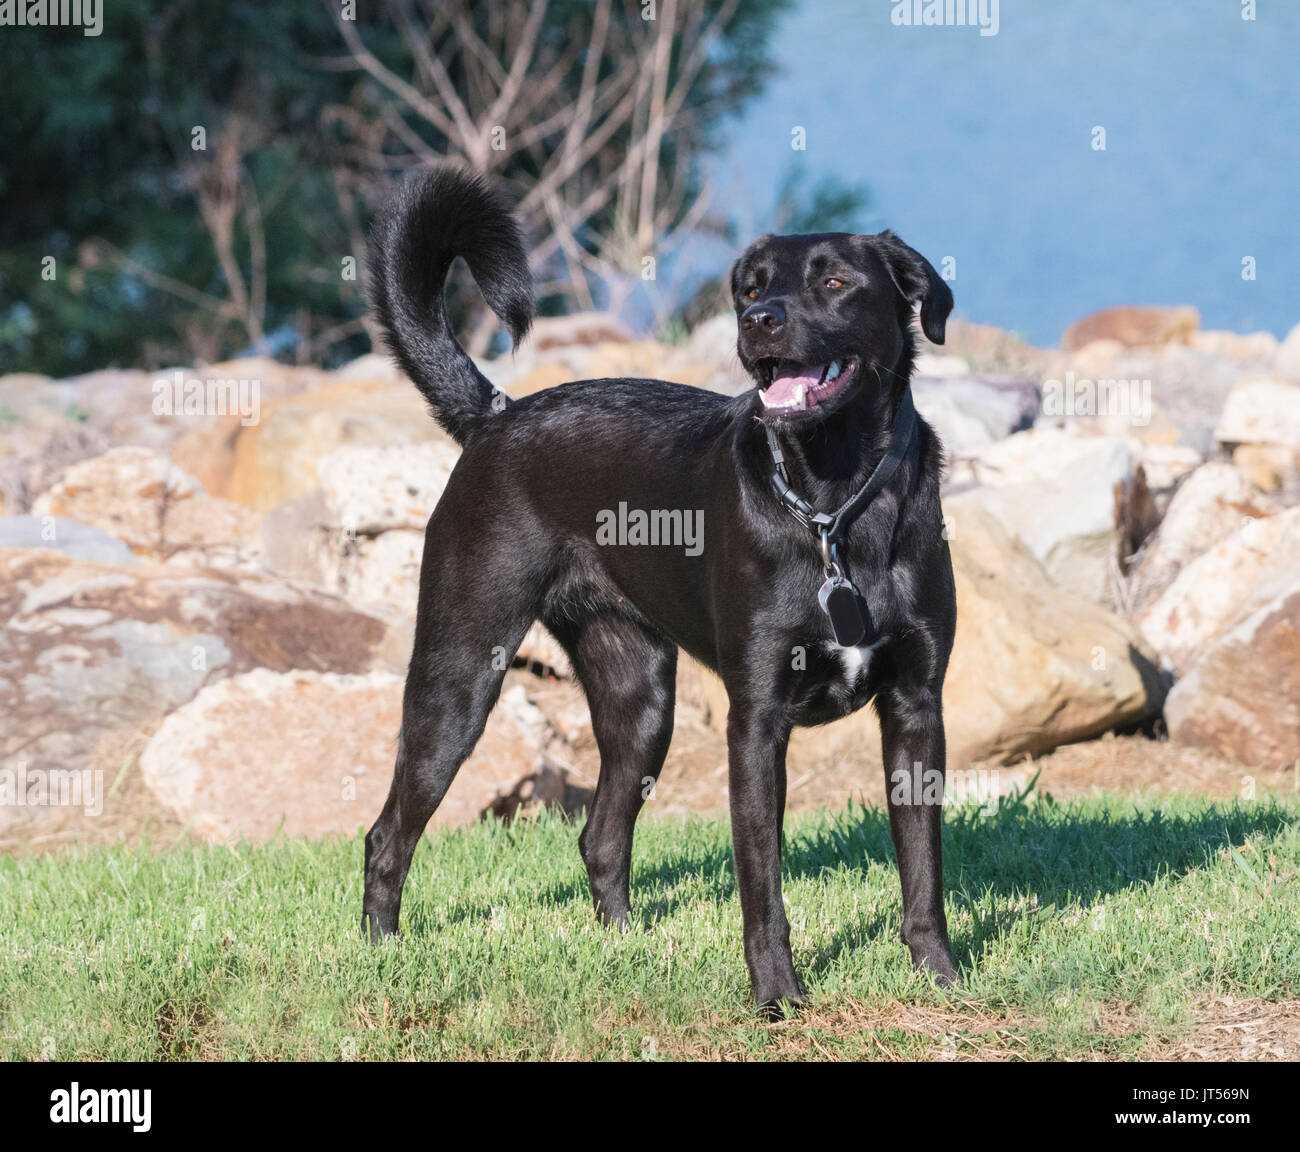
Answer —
436 215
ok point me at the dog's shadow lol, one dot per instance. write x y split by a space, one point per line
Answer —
1019 850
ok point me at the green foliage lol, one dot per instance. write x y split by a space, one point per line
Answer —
97 171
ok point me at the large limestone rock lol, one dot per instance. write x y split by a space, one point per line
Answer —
1133 327
1288 356
264 464
93 655
146 501
1211 592
361 533
311 754
370 489
1242 698
1210 505
969 411
1033 666
67 536
1261 412
1058 494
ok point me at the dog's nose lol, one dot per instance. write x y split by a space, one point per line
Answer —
767 318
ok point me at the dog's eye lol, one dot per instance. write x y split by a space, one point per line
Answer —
752 294
832 282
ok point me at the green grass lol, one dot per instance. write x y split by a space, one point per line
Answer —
1065 918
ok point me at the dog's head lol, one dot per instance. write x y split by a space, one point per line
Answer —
826 318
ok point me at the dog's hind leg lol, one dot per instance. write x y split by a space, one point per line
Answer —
459 660
629 672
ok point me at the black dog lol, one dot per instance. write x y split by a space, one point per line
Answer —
826 331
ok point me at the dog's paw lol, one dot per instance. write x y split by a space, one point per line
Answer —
938 962
775 1009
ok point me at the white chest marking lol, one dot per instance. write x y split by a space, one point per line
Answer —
856 661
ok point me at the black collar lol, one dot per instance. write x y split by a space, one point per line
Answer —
831 527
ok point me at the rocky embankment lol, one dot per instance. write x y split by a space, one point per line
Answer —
208 615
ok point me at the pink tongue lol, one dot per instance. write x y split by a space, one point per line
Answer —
783 387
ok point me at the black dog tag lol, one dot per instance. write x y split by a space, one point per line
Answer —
845 610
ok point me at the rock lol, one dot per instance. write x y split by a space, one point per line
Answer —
1208 507
539 379
361 534
1242 698
370 489
1288 356
311 754
93 655
264 464
1097 360
382 573
38 442
1167 465
579 329
1271 468
968 411
1033 666
1213 591
714 342
1071 528
61 535
146 501
1133 327
371 366
1261 346
1261 412
531 370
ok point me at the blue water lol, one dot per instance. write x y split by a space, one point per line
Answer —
979 148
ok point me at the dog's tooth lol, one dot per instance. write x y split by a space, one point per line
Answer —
833 372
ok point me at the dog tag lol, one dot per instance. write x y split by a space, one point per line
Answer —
845 610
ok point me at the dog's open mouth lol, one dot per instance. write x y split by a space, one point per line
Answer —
804 387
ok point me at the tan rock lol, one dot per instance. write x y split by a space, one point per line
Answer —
1261 412
1133 327
578 329
539 379
1242 698
1235 346
1033 666
1288 356
1070 527
264 464
92 655
1269 467
1213 590
1210 506
142 498
311 754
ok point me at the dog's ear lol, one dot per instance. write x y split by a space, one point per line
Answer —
915 278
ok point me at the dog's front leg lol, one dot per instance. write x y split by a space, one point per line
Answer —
912 740
756 750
